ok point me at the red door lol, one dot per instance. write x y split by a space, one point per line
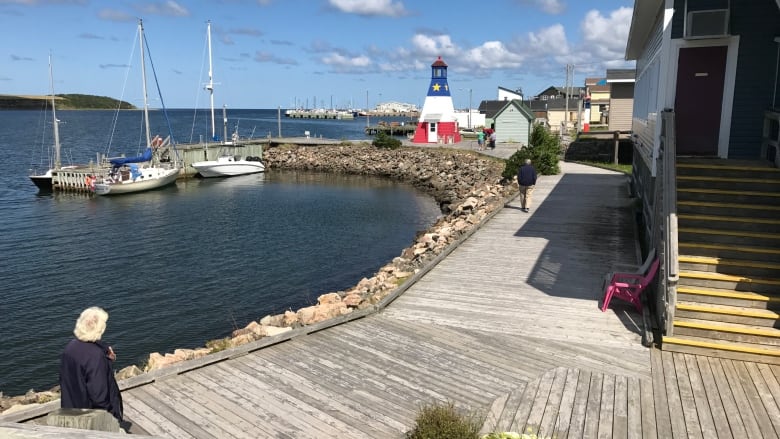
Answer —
701 73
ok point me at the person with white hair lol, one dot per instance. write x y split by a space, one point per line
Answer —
86 367
526 179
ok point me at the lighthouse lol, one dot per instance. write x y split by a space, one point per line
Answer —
437 122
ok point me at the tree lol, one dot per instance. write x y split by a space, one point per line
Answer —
544 151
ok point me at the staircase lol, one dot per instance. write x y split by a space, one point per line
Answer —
728 295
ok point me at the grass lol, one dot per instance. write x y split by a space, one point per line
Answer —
624 168
444 421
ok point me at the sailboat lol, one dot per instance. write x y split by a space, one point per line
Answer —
44 181
146 171
226 164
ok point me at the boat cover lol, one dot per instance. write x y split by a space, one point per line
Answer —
145 157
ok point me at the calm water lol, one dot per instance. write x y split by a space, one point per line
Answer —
182 265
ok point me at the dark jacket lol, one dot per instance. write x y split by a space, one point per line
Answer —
526 175
87 378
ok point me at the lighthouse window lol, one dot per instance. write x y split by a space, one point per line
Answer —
438 73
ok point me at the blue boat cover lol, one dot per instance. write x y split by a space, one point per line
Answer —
145 157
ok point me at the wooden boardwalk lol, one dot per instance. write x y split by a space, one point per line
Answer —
508 325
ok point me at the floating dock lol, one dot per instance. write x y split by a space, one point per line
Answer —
392 128
321 114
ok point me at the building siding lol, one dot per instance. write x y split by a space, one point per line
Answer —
512 125
621 106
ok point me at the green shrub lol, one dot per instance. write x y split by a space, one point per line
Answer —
443 421
544 151
382 140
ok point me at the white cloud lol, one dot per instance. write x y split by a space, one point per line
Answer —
370 7
548 6
491 55
550 41
342 63
605 37
168 8
434 45
115 15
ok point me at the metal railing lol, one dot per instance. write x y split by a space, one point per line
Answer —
665 224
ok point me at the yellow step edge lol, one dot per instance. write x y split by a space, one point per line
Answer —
736 206
768 332
723 347
733 219
727 278
728 192
728 179
730 233
728 294
730 247
727 262
726 167
741 312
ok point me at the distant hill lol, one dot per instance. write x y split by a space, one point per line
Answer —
64 102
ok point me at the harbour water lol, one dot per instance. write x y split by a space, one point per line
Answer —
186 264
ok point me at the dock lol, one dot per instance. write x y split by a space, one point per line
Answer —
506 323
392 128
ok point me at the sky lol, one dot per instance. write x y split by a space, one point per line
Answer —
307 53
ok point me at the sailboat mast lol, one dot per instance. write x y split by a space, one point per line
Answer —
57 160
143 79
210 85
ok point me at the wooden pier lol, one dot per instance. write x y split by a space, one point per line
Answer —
506 324
392 129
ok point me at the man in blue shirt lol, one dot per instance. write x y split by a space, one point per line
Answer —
526 178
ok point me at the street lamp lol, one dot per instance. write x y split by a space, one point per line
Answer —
469 115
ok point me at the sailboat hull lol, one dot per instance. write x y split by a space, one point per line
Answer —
43 181
152 178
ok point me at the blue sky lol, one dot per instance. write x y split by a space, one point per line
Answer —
276 53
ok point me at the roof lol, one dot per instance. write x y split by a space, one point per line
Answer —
645 13
519 106
621 75
590 82
439 63
518 90
552 104
490 108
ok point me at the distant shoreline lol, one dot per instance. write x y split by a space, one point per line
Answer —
63 102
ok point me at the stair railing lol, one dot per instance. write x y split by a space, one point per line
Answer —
665 223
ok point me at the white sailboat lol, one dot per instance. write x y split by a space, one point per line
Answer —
146 171
226 163
44 181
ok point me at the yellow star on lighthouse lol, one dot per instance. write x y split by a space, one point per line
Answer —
436 87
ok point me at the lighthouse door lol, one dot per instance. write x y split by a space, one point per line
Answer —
433 135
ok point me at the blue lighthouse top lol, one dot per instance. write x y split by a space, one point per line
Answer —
439 86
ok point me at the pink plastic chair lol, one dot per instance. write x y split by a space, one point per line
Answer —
629 286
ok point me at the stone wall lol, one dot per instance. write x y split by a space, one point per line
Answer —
467 186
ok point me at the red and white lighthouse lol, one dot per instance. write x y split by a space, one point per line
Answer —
437 123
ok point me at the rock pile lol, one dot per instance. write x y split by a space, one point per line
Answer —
467 186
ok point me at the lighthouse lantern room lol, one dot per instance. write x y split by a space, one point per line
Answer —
437 123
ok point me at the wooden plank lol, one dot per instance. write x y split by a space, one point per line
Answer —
527 400
620 408
691 416
676 414
736 424
764 392
700 400
634 408
198 415
490 425
563 419
773 387
580 406
316 394
741 400
592 412
607 410
648 410
753 396
545 397
140 403
711 396
661 405
507 419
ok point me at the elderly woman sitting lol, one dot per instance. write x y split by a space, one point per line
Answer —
86 373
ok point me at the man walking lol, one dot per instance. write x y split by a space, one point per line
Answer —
526 178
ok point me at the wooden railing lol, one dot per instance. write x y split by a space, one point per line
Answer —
770 146
665 224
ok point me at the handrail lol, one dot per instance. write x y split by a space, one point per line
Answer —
665 222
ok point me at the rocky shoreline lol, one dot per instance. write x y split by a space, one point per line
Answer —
466 185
